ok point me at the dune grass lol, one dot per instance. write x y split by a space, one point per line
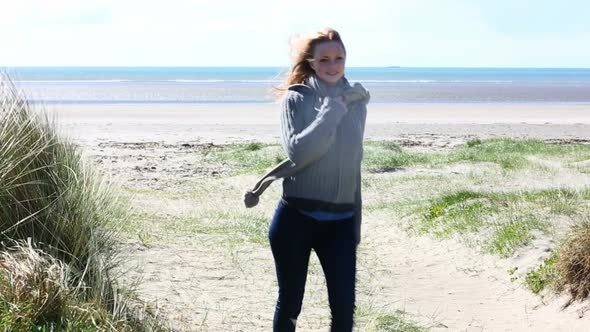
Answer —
245 158
370 319
50 197
499 222
39 292
515 233
509 154
393 322
235 226
396 322
387 156
546 275
204 206
238 227
573 260
568 267
510 220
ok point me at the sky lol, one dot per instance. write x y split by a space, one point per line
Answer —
409 33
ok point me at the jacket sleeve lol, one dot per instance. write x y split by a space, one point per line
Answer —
358 209
358 201
303 142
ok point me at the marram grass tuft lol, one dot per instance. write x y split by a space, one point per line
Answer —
573 264
52 199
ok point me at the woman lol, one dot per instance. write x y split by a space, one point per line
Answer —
322 127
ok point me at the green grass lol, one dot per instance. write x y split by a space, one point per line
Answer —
510 154
509 236
234 226
583 170
238 227
558 200
510 220
440 205
245 158
134 192
473 143
369 319
388 156
385 156
544 276
396 322
458 212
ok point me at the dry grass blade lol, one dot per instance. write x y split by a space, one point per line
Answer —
52 198
34 284
573 264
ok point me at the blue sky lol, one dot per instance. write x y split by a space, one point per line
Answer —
429 33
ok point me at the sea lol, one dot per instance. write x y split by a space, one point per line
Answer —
202 85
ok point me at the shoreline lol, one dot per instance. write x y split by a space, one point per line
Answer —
230 123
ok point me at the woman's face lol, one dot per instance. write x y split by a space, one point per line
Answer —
328 61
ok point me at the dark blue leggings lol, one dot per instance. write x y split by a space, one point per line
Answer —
292 235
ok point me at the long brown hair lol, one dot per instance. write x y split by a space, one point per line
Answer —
303 52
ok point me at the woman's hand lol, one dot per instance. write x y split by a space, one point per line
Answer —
342 101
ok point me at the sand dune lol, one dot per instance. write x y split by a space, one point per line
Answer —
199 285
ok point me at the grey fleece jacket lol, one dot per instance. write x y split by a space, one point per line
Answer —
319 135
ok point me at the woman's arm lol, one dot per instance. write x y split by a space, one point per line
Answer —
358 200
358 209
306 143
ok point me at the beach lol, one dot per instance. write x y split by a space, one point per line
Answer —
197 277
428 124
125 210
123 203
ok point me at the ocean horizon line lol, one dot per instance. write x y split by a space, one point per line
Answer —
286 67
230 84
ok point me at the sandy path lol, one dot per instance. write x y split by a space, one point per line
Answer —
198 286
461 290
